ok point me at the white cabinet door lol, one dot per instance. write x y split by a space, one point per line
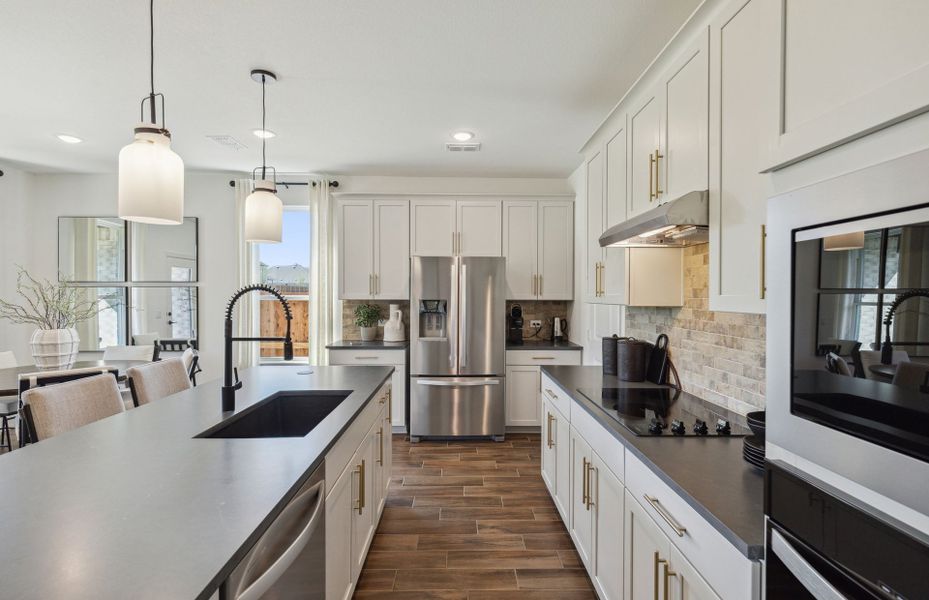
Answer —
522 396
480 228
607 499
595 201
647 551
432 227
581 515
686 96
392 249
644 153
520 247
363 521
738 84
381 475
398 396
356 249
561 431
556 250
388 456
549 462
339 518
613 272
655 277
684 583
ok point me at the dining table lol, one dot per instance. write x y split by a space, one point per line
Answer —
9 378
884 372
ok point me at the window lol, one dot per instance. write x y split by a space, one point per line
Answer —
285 266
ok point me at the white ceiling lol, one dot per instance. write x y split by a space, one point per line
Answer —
365 86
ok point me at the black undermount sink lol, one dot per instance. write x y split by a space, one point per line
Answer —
285 414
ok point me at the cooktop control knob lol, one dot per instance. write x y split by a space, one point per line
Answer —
700 427
722 427
677 427
656 427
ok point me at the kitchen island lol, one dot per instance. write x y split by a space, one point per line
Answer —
137 506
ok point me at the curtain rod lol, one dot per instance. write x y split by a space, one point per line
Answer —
286 184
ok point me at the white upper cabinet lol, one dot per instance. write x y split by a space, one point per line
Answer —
740 88
613 272
845 69
448 227
556 250
683 167
595 226
374 258
645 151
433 227
520 247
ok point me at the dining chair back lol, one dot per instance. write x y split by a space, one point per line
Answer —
156 380
836 364
145 339
7 360
191 360
911 375
873 357
129 352
54 409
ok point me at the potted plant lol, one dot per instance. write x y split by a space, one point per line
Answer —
367 317
54 308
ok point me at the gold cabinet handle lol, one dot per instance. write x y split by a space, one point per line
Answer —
764 243
543 358
658 561
380 437
602 279
584 491
658 190
551 394
390 402
358 503
366 358
671 521
651 177
668 574
535 285
361 498
549 429
540 284
590 494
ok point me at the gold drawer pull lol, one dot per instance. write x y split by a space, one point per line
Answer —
584 484
366 358
590 494
551 394
671 521
543 358
551 418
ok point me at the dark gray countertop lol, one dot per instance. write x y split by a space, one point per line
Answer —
543 345
708 472
133 506
378 344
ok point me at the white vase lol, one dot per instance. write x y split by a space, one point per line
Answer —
368 334
55 348
393 328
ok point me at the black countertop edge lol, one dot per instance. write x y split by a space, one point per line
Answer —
377 344
236 558
753 551
544 345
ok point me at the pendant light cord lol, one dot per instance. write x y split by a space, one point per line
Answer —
151 31
264 129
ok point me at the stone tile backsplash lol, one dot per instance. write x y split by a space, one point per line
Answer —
351 332
720 356
543 310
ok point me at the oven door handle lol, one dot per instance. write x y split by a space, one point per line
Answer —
810 578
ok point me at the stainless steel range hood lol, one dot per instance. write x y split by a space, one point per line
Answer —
680 222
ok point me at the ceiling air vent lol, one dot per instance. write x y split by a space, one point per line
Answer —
227 141
469 147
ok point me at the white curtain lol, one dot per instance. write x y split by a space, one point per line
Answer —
321 272
246 317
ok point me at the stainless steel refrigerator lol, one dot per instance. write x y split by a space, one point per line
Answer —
457 347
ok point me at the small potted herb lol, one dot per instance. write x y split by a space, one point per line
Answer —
367 317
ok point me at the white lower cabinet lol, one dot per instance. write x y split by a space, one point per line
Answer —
355 502
522 396
607 501
582 526
549 462
646 551
394 357
685 583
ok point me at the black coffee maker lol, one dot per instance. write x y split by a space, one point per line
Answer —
514 326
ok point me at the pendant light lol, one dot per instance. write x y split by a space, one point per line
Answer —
264 211
151 175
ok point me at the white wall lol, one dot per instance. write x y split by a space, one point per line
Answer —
15 249
483 186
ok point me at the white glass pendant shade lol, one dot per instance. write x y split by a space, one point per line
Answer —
264 214
151 180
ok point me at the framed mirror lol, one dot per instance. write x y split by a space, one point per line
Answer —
164 313
163 254
108 327
91 249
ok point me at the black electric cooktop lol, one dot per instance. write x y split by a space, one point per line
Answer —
656 411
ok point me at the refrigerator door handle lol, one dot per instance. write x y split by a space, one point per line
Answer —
453 321
444 383
463 358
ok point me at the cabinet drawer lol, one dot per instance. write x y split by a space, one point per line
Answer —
536 358
610 449
367 357
339 455
557 397
727 570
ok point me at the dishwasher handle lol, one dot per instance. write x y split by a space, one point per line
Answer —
273 573
817 585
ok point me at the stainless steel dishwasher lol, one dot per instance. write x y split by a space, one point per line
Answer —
289 559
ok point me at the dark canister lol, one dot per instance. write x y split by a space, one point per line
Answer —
609 355
631 359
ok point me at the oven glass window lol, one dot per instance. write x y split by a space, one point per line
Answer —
861 334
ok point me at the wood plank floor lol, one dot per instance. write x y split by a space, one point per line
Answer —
471 520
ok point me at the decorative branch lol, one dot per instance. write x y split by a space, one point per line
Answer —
48 305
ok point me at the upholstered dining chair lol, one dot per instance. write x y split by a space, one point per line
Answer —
8 404
145 339
54 409
873 357
146 352
836 364
154 381
191 360
912 375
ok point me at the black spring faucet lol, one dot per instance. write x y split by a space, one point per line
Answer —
231 380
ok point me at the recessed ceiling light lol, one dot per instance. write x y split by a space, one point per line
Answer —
462 136
69 139
263 133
